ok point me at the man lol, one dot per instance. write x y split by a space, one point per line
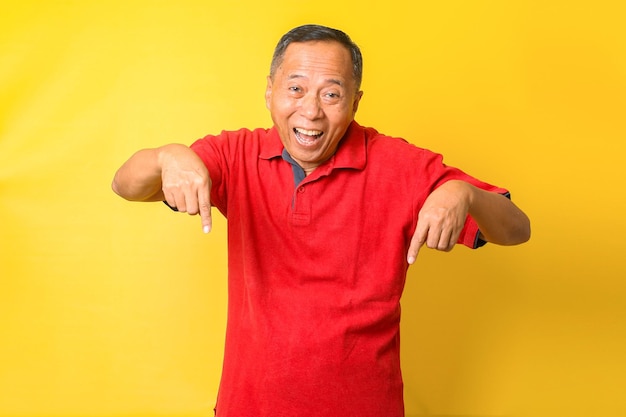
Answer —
324 218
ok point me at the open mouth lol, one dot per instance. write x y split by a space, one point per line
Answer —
307 137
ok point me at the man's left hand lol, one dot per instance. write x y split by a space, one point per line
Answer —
441 219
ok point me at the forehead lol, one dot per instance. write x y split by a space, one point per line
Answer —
328 57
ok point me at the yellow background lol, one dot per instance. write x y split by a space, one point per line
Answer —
110 308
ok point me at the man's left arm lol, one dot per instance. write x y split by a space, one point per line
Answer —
442 218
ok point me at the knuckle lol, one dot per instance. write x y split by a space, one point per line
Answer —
199 182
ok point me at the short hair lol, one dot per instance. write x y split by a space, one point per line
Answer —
310 33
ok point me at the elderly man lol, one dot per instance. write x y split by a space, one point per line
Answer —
324 218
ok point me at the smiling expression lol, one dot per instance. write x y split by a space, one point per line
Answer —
313 98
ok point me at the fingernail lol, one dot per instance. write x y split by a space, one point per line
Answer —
206 228
410 260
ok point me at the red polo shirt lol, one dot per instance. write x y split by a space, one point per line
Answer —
316 271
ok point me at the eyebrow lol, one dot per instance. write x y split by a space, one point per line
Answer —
330 80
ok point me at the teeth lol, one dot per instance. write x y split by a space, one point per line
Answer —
308 132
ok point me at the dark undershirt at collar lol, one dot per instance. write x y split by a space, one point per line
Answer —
298 172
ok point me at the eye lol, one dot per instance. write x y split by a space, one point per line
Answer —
332 96
295 89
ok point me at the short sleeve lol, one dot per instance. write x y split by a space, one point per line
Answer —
437 173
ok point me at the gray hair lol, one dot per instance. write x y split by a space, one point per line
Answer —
309 33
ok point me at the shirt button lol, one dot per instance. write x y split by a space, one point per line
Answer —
300 189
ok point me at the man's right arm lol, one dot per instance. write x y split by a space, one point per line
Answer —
171 173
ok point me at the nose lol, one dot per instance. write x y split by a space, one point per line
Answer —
310 107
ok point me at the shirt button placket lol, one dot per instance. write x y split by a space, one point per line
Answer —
301 214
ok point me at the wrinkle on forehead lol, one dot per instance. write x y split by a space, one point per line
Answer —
328 80
329 59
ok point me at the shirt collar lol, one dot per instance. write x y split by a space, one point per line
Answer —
351 152
271 146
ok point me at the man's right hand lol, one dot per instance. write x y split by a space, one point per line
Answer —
173 173
186 184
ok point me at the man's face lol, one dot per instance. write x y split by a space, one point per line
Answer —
313 98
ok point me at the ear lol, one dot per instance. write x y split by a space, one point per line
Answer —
357 100
268 92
